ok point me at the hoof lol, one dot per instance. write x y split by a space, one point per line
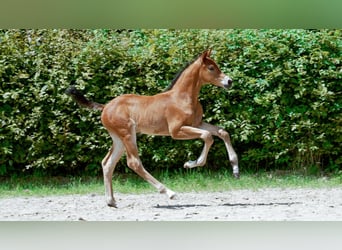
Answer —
190 164
111 203
172 196
168 192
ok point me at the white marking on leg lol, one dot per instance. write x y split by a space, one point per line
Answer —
235 169
190 164
164 190
231 152
171 194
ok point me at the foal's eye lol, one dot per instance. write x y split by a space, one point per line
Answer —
211 67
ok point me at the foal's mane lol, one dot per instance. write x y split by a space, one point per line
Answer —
173 82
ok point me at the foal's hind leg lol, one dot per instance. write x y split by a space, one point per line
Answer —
134 163
108 166
221 133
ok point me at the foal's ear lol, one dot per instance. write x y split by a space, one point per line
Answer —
206 54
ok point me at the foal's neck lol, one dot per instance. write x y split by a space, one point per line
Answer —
188 85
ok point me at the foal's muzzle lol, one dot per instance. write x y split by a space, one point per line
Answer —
227 82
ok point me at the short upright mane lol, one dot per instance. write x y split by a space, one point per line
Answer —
173 82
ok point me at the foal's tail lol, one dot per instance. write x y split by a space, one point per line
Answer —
82 100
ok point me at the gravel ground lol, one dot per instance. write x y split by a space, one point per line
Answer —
236 205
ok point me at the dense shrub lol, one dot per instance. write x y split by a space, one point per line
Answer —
283 112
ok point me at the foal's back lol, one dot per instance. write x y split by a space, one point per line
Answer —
147 114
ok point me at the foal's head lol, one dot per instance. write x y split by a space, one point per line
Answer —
211 73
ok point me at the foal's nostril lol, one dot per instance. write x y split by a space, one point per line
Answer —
226 82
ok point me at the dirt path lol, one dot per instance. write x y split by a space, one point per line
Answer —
236 205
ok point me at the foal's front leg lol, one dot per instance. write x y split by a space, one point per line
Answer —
221 133
187 132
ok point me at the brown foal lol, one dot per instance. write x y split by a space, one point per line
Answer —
175 112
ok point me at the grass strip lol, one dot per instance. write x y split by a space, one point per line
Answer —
184 181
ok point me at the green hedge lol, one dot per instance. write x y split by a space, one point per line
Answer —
283 112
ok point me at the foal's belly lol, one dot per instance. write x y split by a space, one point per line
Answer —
156 127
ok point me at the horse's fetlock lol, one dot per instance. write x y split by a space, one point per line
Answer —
162 190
